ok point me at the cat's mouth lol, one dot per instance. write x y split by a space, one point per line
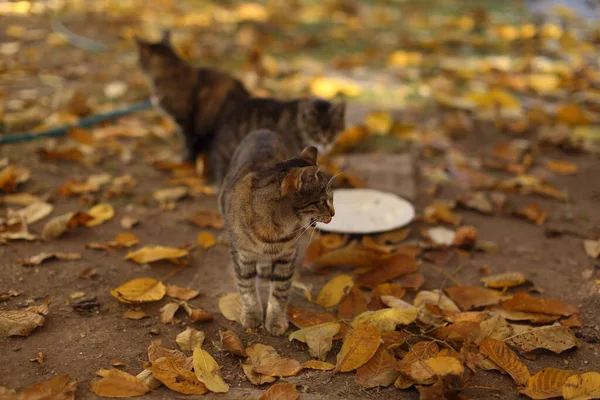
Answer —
326 220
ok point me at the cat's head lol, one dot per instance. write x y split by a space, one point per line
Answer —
320 122
308 189
153 57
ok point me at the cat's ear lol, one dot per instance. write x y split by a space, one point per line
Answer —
338 111
310 154
292 181
141 43
166 37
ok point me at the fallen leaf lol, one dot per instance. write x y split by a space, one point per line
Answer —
170 195
319 338
494 327
129 222
424 372
100 214
197 314
527 303
140 290
556 338
436 298
411 281
149 379
232 343
22 322
584 386
135 315
35 212
20 199
181 293
39 359
465 237
206 240
61 387
156 253
574 321
463 331
418 354
387 318
546 384
207 219
125 239
360 344
391 238
505 280
441 236
389 289
190 339
393 267
207 371
468 297
40 258
267 361
333 241
380 370
59 225
562 167
353 255
536 318
334 290
532 213
281 391
477 201
167 313
506 359
318 365
172 374
592 248
156 351
255 378
116 383
231 307
440 212
353 304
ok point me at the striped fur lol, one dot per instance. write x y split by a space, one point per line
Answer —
267 201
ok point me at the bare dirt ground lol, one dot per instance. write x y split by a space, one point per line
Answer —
81 342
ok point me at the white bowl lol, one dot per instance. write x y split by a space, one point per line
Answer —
364 211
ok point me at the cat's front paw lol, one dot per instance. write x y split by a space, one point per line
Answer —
251 319
276 325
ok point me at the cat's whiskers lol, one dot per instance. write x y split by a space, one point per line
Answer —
302 233
332 178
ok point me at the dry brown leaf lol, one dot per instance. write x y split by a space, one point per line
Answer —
334 290
319 338
592 248
59 225
474 316
360 344
465 237
116 383
318 365
40 258
232 343
255 378
281 391
171 195
22 322
426 371
20 199
532 213
535 318
267 361
156 351
506 359
353 304
190 339
207 371
574 321
156 253
181 293
196 314
128 222
392 237
463 331
171 372
333 241
167 313
387 319
100 214
468 297
556 338
207 219
388 289
353 255
494 327
35 212
425 300
393 267
380 370
140 290
562 167
231 307
505 280
439 212
411 281
61 387
206 240
417 355
477 201
135 315
546 384
527 303
581 387
125 239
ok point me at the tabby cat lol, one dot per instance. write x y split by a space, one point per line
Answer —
268 201
305 122
194 98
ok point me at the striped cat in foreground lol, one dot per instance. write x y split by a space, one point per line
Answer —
268 201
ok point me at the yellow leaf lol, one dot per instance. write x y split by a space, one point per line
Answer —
171 194
425 372
581 387
155 253
319 338
167 313
126 239
207 371
156 351
172 374
135 315
60 387
319 365
190 339
547 383
506 280
556 338
232 343
334 290
181 293
468 297
562 167
360 344
387 319
35 212
267 361
379 122
280 391
354 255
254 377
505 358
403 59
380 370
329 87
206 240
22 322
59 225
418 354
140 290
100 214
231 306
117 383
543 83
